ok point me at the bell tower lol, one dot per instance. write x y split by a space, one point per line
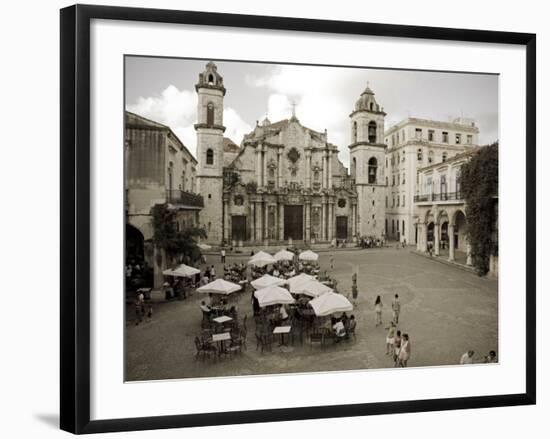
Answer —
367 155
210 129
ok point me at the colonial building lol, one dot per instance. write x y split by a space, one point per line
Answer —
413 144
285 181
158 169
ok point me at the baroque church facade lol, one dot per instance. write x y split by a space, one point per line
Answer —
285 182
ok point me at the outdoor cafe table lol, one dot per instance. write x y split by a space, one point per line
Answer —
222 319
282 330
220 339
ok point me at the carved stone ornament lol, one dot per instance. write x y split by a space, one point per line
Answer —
293 155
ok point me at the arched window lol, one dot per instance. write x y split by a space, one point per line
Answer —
211 79
354 134
209 156
210 114
419 154
443 185
372 132
431 157
373 167
353 168
371 106
170 176
444 157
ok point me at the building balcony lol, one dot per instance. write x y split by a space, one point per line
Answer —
439 197
179 197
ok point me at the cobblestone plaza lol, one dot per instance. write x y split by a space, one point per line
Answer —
446 311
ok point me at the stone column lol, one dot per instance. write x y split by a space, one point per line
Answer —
323 220
418 237
330 220
308 168
266 222
308 221
436 239
325 171
468 254
279 168
451 232
330 170
353 220
258 165
252 220
281 221
259 221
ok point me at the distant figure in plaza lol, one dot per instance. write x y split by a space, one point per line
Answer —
390 338
378 309
396 308
139 312
467 357
331 262
223 255
150 313
212 273
405 351
396 347
491 358
354 291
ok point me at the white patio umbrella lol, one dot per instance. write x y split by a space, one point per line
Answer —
267 281
330 303
312 288
219 286
261 259
308 255
273 295
203 246
296 281
284 255
182 271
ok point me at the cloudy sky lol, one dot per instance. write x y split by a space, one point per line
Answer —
162 89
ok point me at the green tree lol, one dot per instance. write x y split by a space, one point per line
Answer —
176 244
479 185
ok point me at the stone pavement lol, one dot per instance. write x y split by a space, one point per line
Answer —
445 310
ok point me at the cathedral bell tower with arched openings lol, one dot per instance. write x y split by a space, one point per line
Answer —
367 156
210 129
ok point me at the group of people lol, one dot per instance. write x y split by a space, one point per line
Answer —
398 345
235 272
468 357
343 327
370 242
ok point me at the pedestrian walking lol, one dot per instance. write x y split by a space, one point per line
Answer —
396 348
223 255
390 338
405 351
378 309
354 290
396 308
212 273
467 357
331 262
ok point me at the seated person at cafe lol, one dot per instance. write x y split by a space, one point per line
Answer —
205 308
276 272
283 313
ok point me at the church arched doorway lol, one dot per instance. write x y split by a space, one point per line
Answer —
460 231
134 245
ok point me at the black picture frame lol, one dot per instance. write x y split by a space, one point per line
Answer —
75 217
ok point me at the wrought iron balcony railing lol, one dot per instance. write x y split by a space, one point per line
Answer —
177 196
444 196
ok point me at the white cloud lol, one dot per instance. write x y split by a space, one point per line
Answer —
178 109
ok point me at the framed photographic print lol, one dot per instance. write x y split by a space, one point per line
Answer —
275 218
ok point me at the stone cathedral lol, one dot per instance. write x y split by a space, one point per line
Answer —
285 181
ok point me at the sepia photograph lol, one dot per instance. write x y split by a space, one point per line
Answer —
294 218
